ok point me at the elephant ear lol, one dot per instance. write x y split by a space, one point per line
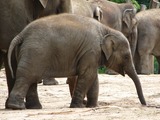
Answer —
128 15
98 13
44 3
108 46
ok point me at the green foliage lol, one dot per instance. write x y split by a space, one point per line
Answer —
155 66
145 2
102 70
136 5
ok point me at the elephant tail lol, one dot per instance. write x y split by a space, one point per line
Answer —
17 40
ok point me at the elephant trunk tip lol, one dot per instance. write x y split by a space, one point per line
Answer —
143 102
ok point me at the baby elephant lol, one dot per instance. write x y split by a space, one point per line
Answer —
67 45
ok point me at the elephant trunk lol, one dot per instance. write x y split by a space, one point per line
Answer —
133 75
133 37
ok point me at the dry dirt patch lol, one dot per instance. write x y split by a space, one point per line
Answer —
117 101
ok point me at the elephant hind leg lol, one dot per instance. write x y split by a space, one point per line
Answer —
18 93
32 100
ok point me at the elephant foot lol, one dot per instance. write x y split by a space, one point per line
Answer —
50 81
33 105
15 103
91 104
78 104
73 105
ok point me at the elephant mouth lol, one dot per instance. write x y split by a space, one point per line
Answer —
116 67
121 71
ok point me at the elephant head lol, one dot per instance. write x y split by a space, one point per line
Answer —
129 25
128 20
118 57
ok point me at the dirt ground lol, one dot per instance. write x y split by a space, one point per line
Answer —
117 101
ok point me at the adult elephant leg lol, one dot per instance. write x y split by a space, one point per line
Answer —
92 95
144 51
144 61
145 64
10 80
32 100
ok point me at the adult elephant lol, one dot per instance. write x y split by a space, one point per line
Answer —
15 15
75 47
120 17
148 40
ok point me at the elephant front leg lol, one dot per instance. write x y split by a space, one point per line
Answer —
32 100
71 81
86 84
92 95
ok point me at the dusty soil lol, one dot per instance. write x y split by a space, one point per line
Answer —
117 101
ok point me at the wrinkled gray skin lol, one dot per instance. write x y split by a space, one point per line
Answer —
120 17
15 15
148 42
75 47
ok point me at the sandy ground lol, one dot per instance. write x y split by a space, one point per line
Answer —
117 101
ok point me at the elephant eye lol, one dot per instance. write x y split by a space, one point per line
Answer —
126 57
